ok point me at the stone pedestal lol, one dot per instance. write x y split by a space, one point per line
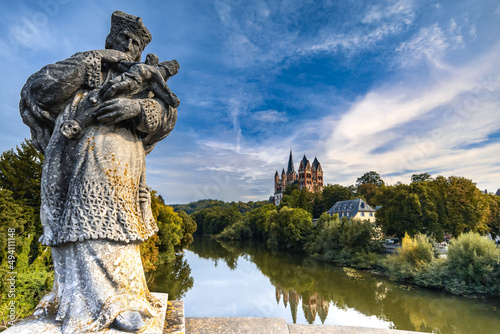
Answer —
29 325
175 322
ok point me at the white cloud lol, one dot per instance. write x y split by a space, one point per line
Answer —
402 10
430 45
378 23
462 105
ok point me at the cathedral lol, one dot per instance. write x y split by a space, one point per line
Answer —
309 176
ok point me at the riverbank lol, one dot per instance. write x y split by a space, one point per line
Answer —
245 279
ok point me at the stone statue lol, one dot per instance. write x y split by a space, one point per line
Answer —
95 116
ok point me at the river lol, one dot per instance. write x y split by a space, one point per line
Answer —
231 279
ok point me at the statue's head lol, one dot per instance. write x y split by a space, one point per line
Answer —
128 34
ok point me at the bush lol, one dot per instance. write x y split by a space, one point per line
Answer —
473 263
418 251
432 274
411 262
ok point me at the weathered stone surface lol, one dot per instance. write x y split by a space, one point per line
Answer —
236 325
175 322
95 116
331 329
272 325
48 325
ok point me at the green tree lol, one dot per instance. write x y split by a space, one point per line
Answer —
304 200
12 216
368 191
494 214
461 205
290 188
20 172
421 177
401 211
317 204
370 177
257 220
188 229
289 228
334 193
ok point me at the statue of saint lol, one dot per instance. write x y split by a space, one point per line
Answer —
95 116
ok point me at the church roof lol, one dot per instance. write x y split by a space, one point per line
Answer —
304 162
276 174
290 164
498 192
352 206
316 164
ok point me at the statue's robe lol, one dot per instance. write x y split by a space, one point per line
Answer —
91 213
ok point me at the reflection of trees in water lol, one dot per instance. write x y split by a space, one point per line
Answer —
207 248
318 285
173 278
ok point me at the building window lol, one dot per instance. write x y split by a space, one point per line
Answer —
362 214
371 214
347 213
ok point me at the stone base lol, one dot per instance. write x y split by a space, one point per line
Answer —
242 325
175 323
29 325
273 325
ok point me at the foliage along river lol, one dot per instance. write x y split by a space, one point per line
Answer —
230 279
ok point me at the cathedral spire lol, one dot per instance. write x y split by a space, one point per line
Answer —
290 163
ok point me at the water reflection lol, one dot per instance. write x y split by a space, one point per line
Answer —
316 287
173 278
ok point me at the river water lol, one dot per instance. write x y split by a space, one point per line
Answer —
230 279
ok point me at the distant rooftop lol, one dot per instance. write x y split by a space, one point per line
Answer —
352 207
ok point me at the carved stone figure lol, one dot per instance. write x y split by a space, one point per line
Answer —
95 116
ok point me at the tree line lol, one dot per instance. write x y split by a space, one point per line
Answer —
420 213
433 206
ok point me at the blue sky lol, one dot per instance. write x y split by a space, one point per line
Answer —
399 86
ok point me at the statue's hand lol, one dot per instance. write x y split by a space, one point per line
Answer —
125 84
117 110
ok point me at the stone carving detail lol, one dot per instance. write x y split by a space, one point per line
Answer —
95 116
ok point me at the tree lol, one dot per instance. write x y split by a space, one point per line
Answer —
304 200
21 171
334 193
12 216
188 228
290 188
401 211
421 177
317 205
370 177
288 228
461 205
494 215
368 191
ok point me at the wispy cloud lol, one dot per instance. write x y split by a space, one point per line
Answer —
368 28
271 116
452 112
430 45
